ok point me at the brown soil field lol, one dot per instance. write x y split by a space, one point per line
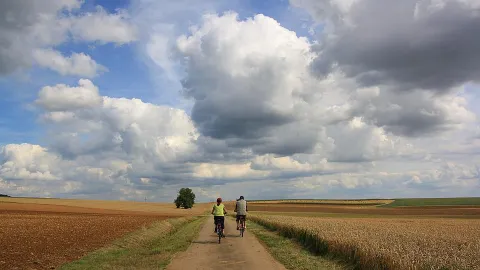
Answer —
37 236
327 202
365 210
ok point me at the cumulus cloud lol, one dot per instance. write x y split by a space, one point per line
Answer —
409 60
160 22
103 27
32 170
274 115
98 144
29 29
249 81
409 44
27 25
78 64
356 141
62 97
415 113
26 162
85 122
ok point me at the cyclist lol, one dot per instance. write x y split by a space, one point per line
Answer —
241 210
219 212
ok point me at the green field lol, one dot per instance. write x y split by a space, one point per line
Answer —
465 201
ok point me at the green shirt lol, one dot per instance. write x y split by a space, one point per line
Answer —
218 210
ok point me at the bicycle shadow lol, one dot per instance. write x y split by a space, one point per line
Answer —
232 235
205 242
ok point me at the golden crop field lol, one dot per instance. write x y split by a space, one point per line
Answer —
385 243
167 209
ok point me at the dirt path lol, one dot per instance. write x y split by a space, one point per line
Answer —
233 253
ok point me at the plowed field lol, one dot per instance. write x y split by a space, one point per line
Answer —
368 210
35 236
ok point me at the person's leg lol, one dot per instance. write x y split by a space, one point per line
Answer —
215 220
238 222
222 220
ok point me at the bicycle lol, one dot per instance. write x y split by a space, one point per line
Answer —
242 226
219 231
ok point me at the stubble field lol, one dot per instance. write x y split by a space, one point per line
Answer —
45 233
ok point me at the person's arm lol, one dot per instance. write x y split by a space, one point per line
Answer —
246 206
224 210
213 209
235 208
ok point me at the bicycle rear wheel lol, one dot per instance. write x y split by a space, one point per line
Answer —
242 227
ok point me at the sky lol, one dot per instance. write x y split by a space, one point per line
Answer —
275 99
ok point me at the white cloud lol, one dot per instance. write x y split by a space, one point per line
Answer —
249 81
26 162
262 124
78 64
144 135
64 98
356 141
103 27
32 170
412 113
100 146
227 171
31 29
272 163
160 22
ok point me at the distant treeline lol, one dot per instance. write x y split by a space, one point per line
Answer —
4 195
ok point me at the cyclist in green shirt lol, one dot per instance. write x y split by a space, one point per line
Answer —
219 212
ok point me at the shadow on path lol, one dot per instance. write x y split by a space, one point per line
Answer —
205 242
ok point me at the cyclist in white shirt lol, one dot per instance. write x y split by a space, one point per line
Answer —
241 210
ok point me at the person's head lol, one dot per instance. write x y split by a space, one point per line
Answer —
242 198
219 200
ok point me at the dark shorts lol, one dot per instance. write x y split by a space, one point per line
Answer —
240 216
219 219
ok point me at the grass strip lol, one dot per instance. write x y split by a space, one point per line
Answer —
149 248
461 201
291 253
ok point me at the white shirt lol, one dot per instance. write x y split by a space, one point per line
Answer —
241 207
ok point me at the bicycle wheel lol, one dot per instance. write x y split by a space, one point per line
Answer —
242 226
219 232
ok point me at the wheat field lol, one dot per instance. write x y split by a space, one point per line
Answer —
383 243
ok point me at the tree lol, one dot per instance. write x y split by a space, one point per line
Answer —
185 198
